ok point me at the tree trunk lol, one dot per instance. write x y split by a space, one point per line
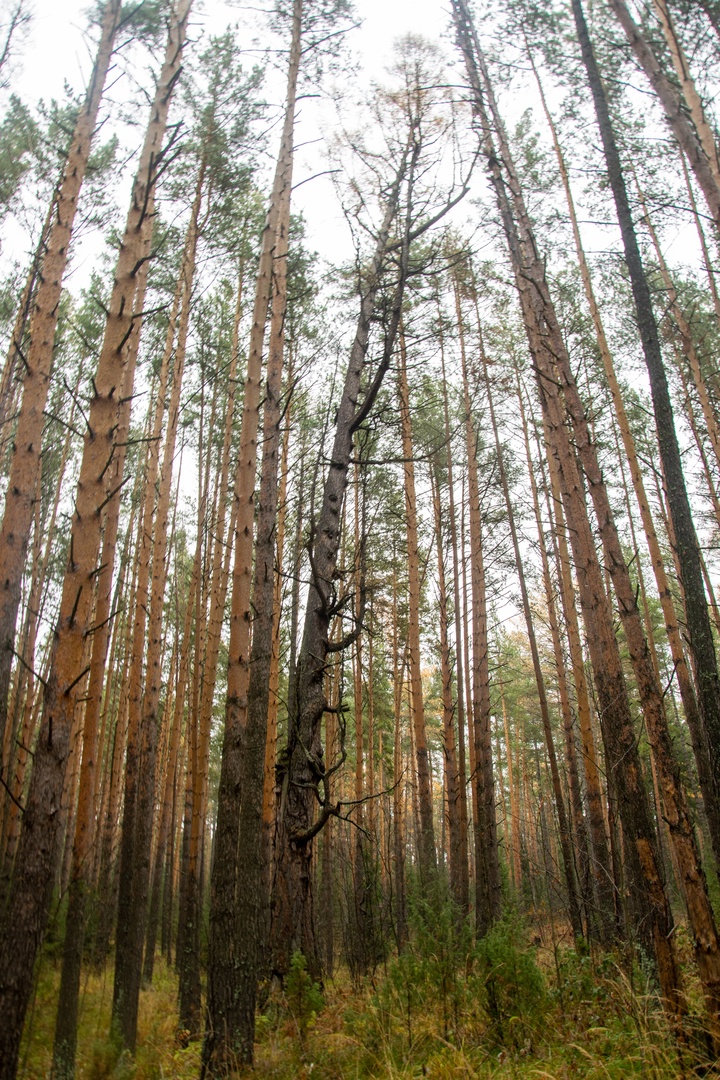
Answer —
401 928
550 357
19 500
232 982
672 102
426 839
252 882
687 84
700 636
274 698
463 869
560 809
487 864
139 803
687 690
65 1044
458 855
292 924
33 879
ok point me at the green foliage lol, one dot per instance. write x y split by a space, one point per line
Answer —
510 983
18 139
445 991
304 997
574 1014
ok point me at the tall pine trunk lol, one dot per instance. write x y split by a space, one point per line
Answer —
232 986
20 496
31 890
426 838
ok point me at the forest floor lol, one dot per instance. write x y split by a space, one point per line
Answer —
519 1007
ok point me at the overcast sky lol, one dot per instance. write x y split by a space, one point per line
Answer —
56 53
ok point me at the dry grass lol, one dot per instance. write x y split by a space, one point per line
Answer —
593 1020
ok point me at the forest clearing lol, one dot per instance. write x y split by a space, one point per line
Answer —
360 541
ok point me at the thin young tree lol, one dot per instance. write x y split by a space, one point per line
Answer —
426 840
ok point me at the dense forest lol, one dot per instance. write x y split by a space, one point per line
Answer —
359 686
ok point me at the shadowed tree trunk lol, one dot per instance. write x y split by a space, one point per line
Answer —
487 864
66 1025
401 929
231 980
138 807
701 644
652 913
292 925
463 896
457 853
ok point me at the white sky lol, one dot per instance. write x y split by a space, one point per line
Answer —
56 53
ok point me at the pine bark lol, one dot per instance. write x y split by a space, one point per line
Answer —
687 690
687 85
426 839
702 646
560 808
67 1012
463 896
232 979
138 815
292 925
672 102
252 885
25 465
452 776
33 880
652 912
487 862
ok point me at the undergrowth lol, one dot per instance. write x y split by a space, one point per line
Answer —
446 1007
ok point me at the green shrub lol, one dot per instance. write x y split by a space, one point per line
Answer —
509 983
304 997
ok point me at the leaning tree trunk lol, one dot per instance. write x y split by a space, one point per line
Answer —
292 924
671 99
702 647
33 880
687 690
20 496
687 84
698 621
652 913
